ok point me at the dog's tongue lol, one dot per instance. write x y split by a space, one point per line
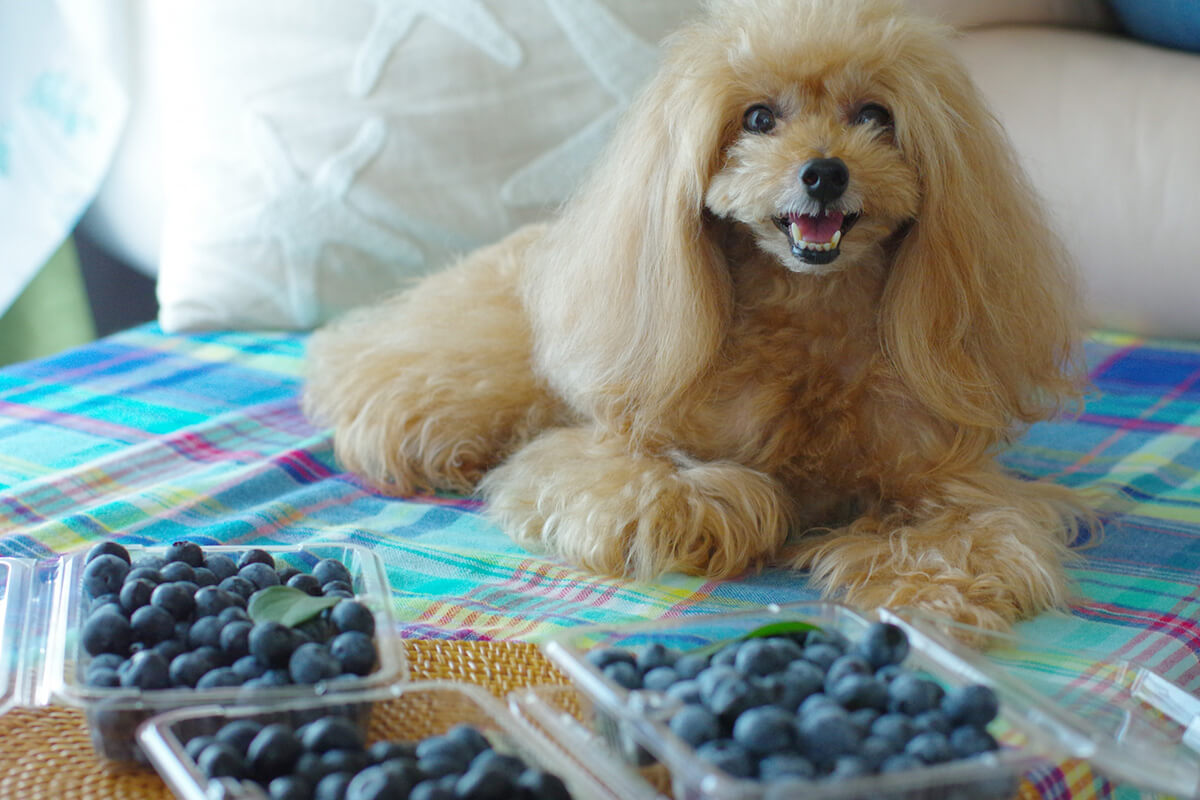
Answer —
818 229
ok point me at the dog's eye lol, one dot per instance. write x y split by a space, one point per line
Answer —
759 119
873 113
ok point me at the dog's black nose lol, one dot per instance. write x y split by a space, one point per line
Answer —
825 179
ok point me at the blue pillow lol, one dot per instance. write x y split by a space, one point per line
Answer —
1171 23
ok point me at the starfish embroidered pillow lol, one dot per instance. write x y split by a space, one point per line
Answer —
320 154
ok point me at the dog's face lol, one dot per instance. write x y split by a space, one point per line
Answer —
812 161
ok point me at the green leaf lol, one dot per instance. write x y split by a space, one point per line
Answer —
287 605
770 629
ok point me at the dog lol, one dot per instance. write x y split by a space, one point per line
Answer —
801 302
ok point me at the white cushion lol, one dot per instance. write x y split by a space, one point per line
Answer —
1107 129
318 153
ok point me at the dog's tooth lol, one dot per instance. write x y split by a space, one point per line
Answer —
837 237
797 236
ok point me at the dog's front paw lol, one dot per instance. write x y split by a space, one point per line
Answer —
585 497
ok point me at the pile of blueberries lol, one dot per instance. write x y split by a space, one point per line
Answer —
180 621
809 705
327 759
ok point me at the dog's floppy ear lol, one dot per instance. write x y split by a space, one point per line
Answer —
980 312
628 292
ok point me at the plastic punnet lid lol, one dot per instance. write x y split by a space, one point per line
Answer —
15 597
1127 720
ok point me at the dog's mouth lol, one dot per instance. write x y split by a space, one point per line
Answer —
815 238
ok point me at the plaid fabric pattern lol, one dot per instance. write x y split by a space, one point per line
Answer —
148 438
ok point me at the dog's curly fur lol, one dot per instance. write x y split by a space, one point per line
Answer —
659 380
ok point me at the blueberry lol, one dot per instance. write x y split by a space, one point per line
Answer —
405 772
929 748
351 615
205 632
204 577
175 597
219 678
248 668
106 632
354 651
337 589
827 734
781 690
971 705
234 639
177 571
934 720
876 750
968 740
492 761
286 573
765 730
221 566
305 583
690 665
860 691
653 656
758 657
695 725
331 733
889 673
900 763
146 670
189 668
883 644
236 584
317 629
623 674
345 760
786 649
289 787
454 751
106 678
895 729
864 718
685 692
431 790
255 556
542 785
238 734
911 694
105 600
387 750
104 574
845 666
732 696
434 768
375 783
312 663
786 765
846 767
144 574
259 574
106 548
170 649
832 638
659 679
219 760
333 786
272 643
822 654
105 661
149 561
212 600
601 657
729 756
471 738
195 745
818 702
713 676
189 553
330 569
807 677
233 614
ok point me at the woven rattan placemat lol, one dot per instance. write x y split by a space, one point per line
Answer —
45 753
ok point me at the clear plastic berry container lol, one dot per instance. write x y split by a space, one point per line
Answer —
1039 719
401 712
50 663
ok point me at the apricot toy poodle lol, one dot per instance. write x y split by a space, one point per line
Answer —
800 303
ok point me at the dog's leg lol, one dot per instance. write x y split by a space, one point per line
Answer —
433 387
985 551
588 497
